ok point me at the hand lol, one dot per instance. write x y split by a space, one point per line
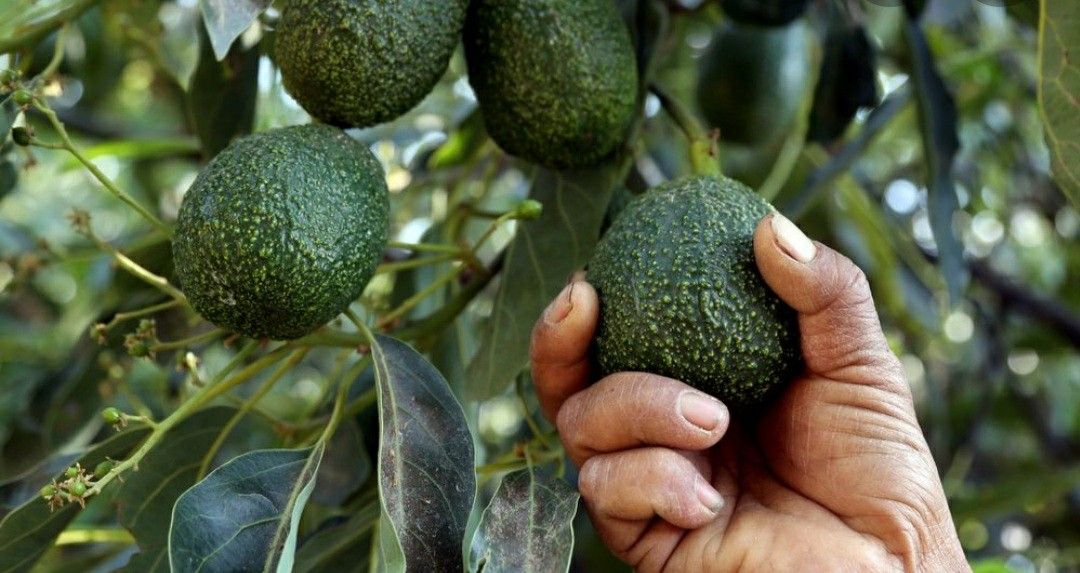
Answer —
835 475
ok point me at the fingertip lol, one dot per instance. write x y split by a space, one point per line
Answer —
561 338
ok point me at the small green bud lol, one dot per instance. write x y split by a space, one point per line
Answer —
112 416
8 77
78 489
48 491
71 472
21 136
529 209
22 98
103 469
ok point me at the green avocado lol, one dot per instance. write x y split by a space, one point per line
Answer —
281 231
681 296
753 81
764 12
557 80
360 63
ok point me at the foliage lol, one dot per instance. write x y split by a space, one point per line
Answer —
404 432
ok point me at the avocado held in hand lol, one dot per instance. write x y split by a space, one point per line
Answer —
556 80
281 231
360 63
681 296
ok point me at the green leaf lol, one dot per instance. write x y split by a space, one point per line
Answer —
222 96
938 120
146 496
226 19
23 22
345 466
343 547
539 260
244 515
426 477
27 532
462 145
179 52
847 82
1059 84
139 149
528 526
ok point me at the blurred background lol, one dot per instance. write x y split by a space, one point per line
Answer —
989 347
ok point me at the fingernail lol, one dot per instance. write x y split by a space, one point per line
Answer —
792 240
560 308
708 496
700 410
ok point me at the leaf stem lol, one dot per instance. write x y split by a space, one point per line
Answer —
417 298
414 263
58 52
426 247
188 342
189 407
154 309
519 388
246 407
101 177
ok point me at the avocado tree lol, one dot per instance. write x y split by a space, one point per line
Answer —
268 270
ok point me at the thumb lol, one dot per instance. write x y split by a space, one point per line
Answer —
839 327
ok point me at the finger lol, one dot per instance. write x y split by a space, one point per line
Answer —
838 323
637 485
560 345
632 409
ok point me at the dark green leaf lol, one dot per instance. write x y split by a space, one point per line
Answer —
528 526
938 119
344 468
146 497
848 82
426 478
342 547
222 96
244 515
27 532
25 21
1059 86
227 19
462 145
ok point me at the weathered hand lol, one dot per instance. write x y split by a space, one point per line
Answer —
835 475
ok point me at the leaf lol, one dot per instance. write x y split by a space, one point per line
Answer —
226 19
528 526
139 149
222 96
1059 91
426 477
146 497
179 52
848 82
539 260
938 119
343 547
25 21
27 532
462 145
345 466
244 515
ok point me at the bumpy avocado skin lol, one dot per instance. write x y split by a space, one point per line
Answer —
557 80
764 12
363 62
281 231
681 296
753 80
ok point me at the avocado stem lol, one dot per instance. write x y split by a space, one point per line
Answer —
703 148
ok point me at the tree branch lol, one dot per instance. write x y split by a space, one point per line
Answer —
1039 306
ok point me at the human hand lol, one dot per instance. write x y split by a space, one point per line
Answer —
834 475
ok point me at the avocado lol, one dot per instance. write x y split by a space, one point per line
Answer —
281 231
753 81
358 64
681 296
557 80
764 12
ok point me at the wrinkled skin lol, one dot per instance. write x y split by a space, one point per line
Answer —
835 475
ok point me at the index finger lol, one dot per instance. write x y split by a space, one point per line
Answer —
560 346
